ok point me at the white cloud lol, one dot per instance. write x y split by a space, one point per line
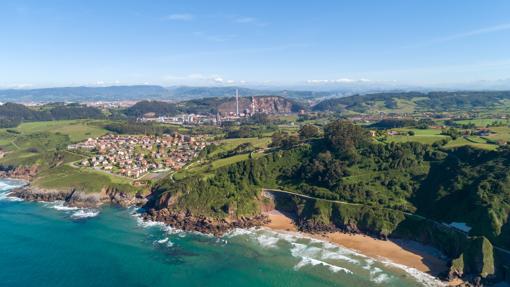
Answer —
17 86
250 20
338 81
198 78
180 17
102 83
220 80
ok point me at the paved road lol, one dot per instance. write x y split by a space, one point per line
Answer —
335 201
309 197
359 204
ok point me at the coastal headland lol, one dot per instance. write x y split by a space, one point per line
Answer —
403 252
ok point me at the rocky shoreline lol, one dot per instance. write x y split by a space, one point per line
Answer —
182 220
76 198
188 222
176 219
26 173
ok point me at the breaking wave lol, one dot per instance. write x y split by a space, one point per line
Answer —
165 241
314 262
156 224
7 197
423 278
5 186
315 252
59 205
85 213
72 211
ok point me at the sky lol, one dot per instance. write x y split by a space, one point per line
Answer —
68 43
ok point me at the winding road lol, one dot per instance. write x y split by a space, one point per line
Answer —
271 190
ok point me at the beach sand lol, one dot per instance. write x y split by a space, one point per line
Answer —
406 253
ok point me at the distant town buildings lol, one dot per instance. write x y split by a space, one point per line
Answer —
135 156
183 119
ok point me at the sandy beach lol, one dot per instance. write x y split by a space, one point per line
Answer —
410 254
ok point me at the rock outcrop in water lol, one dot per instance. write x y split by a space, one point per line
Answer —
78 198
188 222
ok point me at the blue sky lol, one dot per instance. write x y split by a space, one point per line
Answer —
58 43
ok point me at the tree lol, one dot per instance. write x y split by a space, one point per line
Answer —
452 132
309 131
290 141
284 140
345 138
277 138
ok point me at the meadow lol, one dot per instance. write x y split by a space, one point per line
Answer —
211 163
430 136
77 130
425 136
45 144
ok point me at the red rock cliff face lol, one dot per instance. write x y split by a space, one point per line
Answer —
21 172
272 105
260 104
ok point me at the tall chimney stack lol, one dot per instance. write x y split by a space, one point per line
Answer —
237 102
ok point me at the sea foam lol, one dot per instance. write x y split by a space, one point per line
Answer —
5 186
59 205
423 278
84 213
316 252
314 262
6 196
165 241
310 252
73 211
10 184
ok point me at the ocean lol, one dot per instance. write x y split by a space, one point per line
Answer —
48 244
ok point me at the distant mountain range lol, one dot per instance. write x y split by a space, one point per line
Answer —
144 92
82 94
311 90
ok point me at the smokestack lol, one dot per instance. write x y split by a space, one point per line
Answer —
237 102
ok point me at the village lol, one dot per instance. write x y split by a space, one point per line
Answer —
135 156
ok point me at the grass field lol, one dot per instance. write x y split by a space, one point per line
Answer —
66 177
36 142
483 122
208 168
473 141
77 130
45 144
425 136
429 136
230 144
500 134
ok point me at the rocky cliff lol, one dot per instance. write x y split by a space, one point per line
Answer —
168 208
260 104
78 198
21 172
185 220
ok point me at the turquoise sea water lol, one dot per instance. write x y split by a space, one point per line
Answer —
46 244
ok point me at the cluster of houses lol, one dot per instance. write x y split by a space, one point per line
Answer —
184 119
135 156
